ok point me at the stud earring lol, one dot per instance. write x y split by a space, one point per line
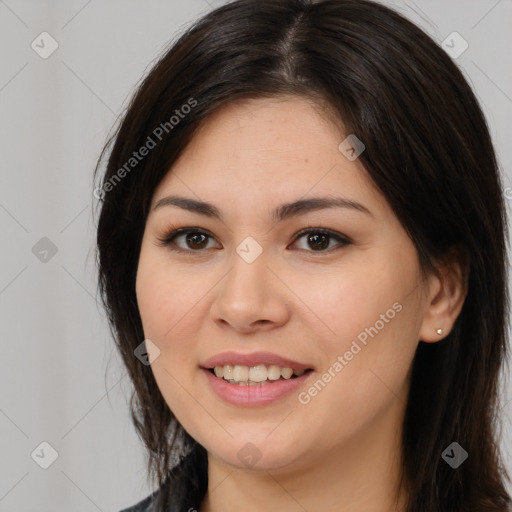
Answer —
439 331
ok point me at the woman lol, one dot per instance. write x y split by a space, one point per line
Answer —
301 249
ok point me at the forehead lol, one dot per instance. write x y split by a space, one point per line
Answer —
284 128
268 150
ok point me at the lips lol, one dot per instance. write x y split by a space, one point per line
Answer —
253 359
259 395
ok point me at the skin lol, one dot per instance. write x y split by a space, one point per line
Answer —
341 450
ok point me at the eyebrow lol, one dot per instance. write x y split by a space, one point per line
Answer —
282 212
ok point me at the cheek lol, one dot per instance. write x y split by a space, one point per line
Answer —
369 316
366 364
162 296
347 300
171 306
151 300
163 308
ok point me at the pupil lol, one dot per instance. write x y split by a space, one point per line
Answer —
316 238
193 236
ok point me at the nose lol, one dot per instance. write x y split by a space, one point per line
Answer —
250 298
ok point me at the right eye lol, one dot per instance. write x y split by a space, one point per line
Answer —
195 239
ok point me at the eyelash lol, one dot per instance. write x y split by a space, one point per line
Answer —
171 234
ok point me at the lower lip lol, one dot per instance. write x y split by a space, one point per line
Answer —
250 396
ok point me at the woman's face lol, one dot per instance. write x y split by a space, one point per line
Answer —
346 306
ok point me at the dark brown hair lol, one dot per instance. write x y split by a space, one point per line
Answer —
428 150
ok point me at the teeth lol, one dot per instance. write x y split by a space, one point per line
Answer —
257 373
240 373
254 375
273 372
227 372
248 383
286 373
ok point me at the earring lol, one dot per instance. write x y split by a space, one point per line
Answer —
439 331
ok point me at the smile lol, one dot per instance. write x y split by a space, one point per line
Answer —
249 393
255 375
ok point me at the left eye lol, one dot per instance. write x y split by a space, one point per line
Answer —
196 239
320 238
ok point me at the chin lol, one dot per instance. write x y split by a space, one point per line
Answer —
256 455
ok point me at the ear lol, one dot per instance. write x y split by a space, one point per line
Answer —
446 294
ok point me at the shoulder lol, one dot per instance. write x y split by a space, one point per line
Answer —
148 504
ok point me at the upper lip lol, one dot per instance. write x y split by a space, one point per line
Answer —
253 359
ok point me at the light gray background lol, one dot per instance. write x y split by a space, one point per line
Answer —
61 381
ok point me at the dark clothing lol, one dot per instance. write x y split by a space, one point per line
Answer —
184 488
146 505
